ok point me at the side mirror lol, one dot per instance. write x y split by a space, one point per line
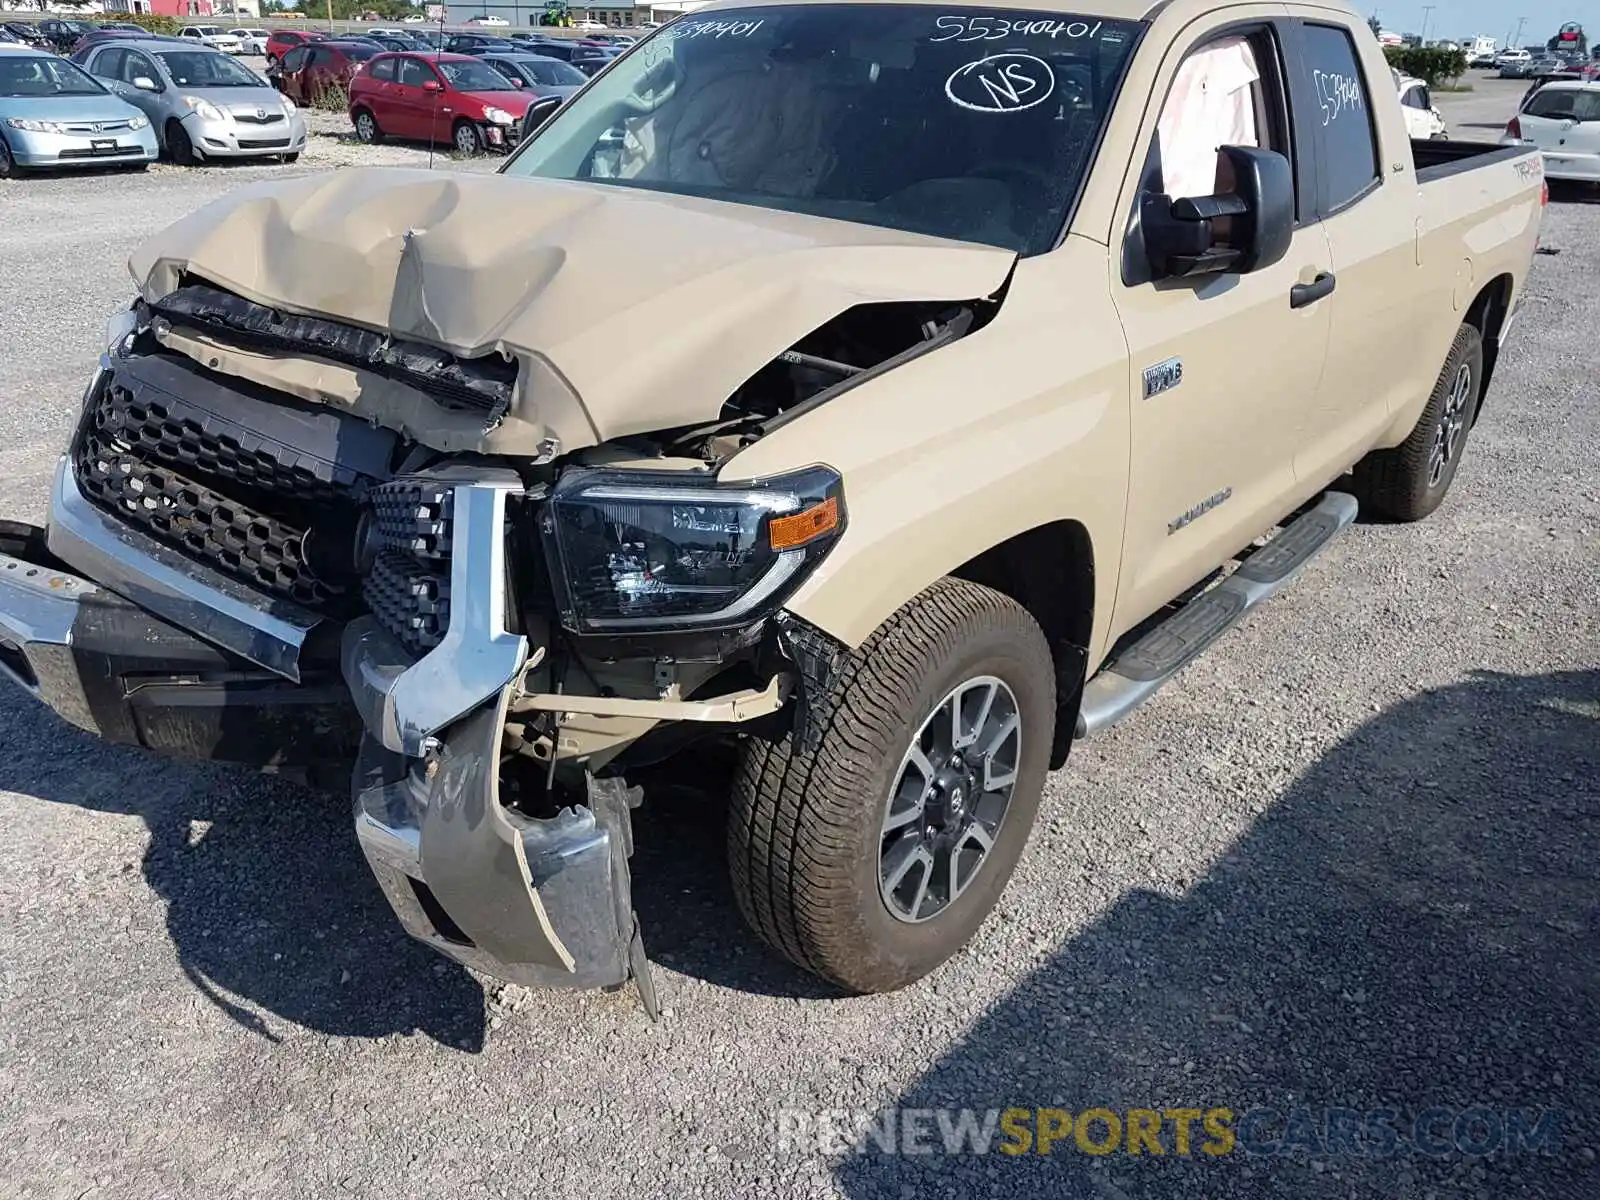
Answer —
538 113
1236 232
431 85
145 84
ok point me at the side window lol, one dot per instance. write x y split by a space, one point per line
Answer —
1212 103
383 69
1424 99
137 66
414 73
108 63
1343 112
295 59
1412 98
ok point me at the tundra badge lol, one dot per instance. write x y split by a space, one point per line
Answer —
1162 377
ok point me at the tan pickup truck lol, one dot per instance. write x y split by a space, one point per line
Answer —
887 393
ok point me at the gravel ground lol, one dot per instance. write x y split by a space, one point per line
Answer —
1346 860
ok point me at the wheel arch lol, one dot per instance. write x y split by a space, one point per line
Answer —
1049 571
1487 314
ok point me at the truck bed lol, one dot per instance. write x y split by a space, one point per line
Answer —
1439 158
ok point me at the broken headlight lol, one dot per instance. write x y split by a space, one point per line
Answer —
661 551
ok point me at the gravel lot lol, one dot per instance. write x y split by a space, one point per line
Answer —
1346 860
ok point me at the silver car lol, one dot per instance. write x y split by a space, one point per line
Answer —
202 104
53 115
214 36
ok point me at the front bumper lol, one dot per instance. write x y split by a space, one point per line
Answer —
229 138
114 670
81 149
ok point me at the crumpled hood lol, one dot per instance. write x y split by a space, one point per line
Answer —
629 310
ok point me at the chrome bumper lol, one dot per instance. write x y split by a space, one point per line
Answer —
38 609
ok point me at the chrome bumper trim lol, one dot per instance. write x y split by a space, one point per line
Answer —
38 607
405 702
270 633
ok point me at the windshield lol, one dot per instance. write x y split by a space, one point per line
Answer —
552 72
206 68
208 30
474 77
27 75
976 124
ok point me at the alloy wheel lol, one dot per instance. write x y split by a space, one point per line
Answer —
949 798
1452 423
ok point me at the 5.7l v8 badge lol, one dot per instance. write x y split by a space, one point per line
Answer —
1162 377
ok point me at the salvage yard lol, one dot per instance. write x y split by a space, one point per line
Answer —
1347 861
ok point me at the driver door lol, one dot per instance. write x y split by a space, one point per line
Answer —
1225 367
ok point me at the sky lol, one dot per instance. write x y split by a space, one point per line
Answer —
1493 18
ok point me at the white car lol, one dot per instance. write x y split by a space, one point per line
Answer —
1563 120
490 21
251 41
1506 56
212 35
414 19
1423 120
586 25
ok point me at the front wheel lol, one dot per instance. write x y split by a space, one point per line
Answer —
8 165
1408 482
179 147
874 857
468 141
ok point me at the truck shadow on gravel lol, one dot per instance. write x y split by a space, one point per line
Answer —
1415 924
270 906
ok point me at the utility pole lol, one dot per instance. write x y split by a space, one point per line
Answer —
1427 11
1516 38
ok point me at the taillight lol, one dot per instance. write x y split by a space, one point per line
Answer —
1514 128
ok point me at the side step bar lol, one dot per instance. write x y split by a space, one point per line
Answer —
1137 671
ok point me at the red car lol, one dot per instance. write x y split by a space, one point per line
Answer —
452 99
281 41
309 73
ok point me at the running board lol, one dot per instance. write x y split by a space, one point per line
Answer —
1137 672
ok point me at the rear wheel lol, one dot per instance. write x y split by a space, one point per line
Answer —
1408 482
874 857
467 139
367 127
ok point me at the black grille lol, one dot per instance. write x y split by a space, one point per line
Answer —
231 480
408 588
262 143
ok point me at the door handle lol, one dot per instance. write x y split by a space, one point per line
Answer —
1303 295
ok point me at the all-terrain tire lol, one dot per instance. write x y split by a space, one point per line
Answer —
1408 482
805 828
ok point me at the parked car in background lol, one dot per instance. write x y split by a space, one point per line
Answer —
592 61
1562 118
213 36
451 99
25 34
587 25
398 42
536 75
100 37
477 43
7 38
1423 120
64 35
202 103
309 73
252 41
487 21
282 41
120 27
1513 64
434 38
53 114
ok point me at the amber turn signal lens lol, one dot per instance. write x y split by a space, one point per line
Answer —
785 533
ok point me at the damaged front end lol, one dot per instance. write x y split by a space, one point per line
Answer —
282 538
